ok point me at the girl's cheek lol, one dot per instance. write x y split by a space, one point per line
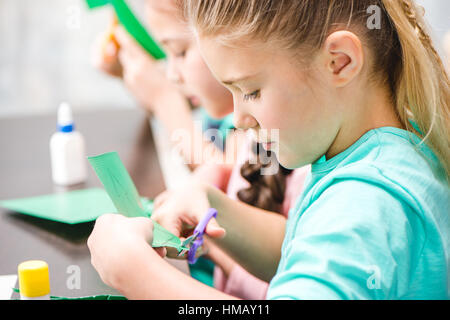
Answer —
269 112
194 70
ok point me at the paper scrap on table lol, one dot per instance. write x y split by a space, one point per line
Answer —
71 207
123 193
7 283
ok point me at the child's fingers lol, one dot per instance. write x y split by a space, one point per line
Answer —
160 199
161 251
172 253
214 230
103 58
111 50
127 42
165 219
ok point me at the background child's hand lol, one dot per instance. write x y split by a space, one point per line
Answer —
105 55
114 242
142 75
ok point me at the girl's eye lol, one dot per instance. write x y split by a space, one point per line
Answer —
180 54
252 96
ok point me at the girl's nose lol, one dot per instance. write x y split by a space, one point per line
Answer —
242 120
173 73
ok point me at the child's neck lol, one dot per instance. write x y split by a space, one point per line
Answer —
375 110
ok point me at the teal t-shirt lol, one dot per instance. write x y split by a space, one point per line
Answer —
373 222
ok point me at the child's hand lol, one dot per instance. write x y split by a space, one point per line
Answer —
105 55
179 211
115 242
142 75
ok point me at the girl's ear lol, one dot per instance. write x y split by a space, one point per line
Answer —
343 56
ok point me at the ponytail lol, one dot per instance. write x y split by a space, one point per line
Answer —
422 90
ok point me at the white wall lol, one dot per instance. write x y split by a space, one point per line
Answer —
45 58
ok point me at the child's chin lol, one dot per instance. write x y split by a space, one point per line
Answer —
286 161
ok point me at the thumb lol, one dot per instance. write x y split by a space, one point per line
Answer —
162 252
214 230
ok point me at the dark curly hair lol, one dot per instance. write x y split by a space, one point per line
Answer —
265 191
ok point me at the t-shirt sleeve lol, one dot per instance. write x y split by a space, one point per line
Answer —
355 241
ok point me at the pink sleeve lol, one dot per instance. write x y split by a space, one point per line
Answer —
240 284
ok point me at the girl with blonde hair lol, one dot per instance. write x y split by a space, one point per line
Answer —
356 89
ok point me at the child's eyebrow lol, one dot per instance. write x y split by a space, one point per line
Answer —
239 79
166 41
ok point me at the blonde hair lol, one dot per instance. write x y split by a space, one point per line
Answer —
404 57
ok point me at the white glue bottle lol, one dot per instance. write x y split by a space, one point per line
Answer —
67 150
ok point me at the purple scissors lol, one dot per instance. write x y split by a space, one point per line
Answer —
196 240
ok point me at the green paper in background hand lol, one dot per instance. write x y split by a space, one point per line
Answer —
132 25
122 191
72 207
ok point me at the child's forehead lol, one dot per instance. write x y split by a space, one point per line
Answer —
232 64
245 52
165 6
166 26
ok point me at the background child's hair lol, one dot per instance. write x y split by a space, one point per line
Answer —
404 59
265 191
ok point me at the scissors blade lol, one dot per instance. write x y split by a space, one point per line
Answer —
187 243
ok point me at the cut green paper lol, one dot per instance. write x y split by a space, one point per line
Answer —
71 207
96 297
132 25
122 191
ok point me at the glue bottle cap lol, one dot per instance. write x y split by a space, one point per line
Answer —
65 119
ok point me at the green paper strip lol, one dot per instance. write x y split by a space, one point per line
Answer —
132 25
122 191
72 207
96 297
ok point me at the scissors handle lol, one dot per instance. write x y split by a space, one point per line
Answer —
198 233
201 227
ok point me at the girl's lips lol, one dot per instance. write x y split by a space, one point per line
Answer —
267 145
194 101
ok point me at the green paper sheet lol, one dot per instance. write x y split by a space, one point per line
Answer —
132 25
72 207
122 191
96 297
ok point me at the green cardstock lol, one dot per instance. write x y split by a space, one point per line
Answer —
132 25
122 191
72 207
96 297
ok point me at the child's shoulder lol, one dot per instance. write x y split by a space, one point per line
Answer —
397 155
392 162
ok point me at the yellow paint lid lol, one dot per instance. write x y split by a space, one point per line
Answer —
34 278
